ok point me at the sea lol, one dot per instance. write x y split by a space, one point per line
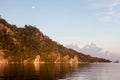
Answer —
60 71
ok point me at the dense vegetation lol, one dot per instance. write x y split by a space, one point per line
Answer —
20 44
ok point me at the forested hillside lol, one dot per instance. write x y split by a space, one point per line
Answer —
28 44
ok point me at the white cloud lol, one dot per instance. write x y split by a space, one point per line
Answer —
112 4
108 10
106 18
93 50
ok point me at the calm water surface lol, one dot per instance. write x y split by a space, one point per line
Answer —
99 71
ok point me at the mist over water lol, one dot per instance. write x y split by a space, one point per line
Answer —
101 71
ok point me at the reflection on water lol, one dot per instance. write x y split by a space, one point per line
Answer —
37 66
2 67
59 71
36 71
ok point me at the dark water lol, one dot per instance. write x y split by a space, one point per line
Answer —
101 71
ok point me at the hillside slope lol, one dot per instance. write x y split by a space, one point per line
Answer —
28 44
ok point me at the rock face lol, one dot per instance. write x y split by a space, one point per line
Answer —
28 44
74 60
65 59
37 59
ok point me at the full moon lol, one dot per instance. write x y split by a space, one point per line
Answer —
33 7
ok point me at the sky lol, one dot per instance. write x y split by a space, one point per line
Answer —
69 21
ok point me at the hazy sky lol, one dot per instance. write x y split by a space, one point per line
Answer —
69 21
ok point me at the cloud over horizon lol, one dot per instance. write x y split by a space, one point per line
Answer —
93 50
